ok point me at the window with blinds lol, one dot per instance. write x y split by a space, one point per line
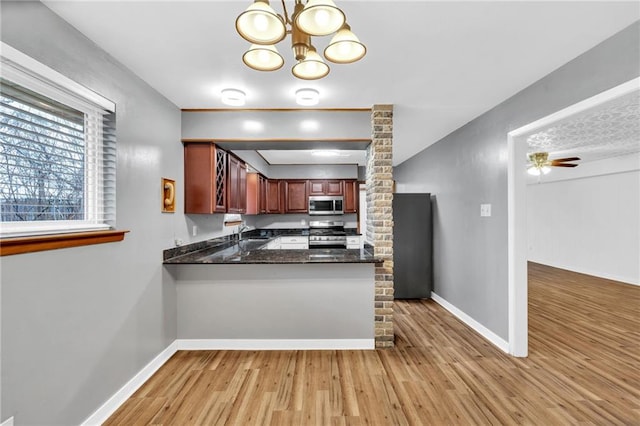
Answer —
57 157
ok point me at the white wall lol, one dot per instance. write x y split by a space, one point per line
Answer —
589 225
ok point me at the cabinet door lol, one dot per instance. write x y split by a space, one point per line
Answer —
262 194
236 185
242 196
317 187
296 198
333 187
205 170
351 196
273 196
253 193
353 242
325 187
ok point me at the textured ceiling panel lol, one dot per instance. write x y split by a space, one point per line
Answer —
606 131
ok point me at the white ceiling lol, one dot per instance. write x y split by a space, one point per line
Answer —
441 63
295 156
609 130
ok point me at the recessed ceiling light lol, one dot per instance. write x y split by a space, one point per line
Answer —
252 126
233 97
328 153
307 97
309 125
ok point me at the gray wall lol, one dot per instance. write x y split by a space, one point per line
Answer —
469 167
243 124
304 301
78 323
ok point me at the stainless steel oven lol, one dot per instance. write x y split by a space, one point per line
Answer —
327 234
325 205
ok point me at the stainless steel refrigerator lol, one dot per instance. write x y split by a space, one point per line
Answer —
412 246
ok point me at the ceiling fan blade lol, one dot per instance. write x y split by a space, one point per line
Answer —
563 165
562 160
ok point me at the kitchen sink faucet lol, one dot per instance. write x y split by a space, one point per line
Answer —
241 228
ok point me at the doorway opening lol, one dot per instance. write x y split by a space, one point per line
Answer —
517 207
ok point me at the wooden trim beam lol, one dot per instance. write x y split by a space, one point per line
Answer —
18 245
239 140
276 109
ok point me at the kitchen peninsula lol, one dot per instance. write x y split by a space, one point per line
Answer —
235 294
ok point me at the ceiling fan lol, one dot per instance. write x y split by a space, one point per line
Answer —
540 163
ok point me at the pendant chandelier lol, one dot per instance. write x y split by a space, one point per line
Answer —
264 28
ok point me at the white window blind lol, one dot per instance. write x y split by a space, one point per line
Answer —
57 156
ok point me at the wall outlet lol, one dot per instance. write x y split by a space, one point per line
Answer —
485 210
194 230
178 242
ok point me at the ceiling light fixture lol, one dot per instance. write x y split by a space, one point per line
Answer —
328 153
260 25
233 97
537 171
541 164
307 97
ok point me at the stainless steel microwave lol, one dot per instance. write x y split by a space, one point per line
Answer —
325 205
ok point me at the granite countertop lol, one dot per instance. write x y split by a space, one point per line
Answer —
230 250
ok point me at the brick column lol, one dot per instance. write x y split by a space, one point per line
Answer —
380 218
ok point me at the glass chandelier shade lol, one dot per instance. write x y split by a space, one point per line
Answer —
537 171
260 24
263 58
320 18
345 47
312 67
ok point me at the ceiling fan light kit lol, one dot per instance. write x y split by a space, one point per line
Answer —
541 165
263 27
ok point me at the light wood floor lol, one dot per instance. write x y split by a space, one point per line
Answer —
583 367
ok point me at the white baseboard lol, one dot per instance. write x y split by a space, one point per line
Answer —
273 344
113 403
496 340
8 422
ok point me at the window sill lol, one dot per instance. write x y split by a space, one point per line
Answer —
18 245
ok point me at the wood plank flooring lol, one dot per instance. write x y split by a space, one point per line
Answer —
583 368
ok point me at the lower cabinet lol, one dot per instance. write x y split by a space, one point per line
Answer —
354 242
273 245
288 243
294 243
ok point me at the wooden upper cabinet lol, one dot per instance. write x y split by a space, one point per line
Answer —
272 196
325 187
205 168
351 196
262 194
253 193
296 197
236 185
334 187
316 187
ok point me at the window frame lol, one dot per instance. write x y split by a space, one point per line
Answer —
33 75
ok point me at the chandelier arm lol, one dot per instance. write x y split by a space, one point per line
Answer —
286 15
